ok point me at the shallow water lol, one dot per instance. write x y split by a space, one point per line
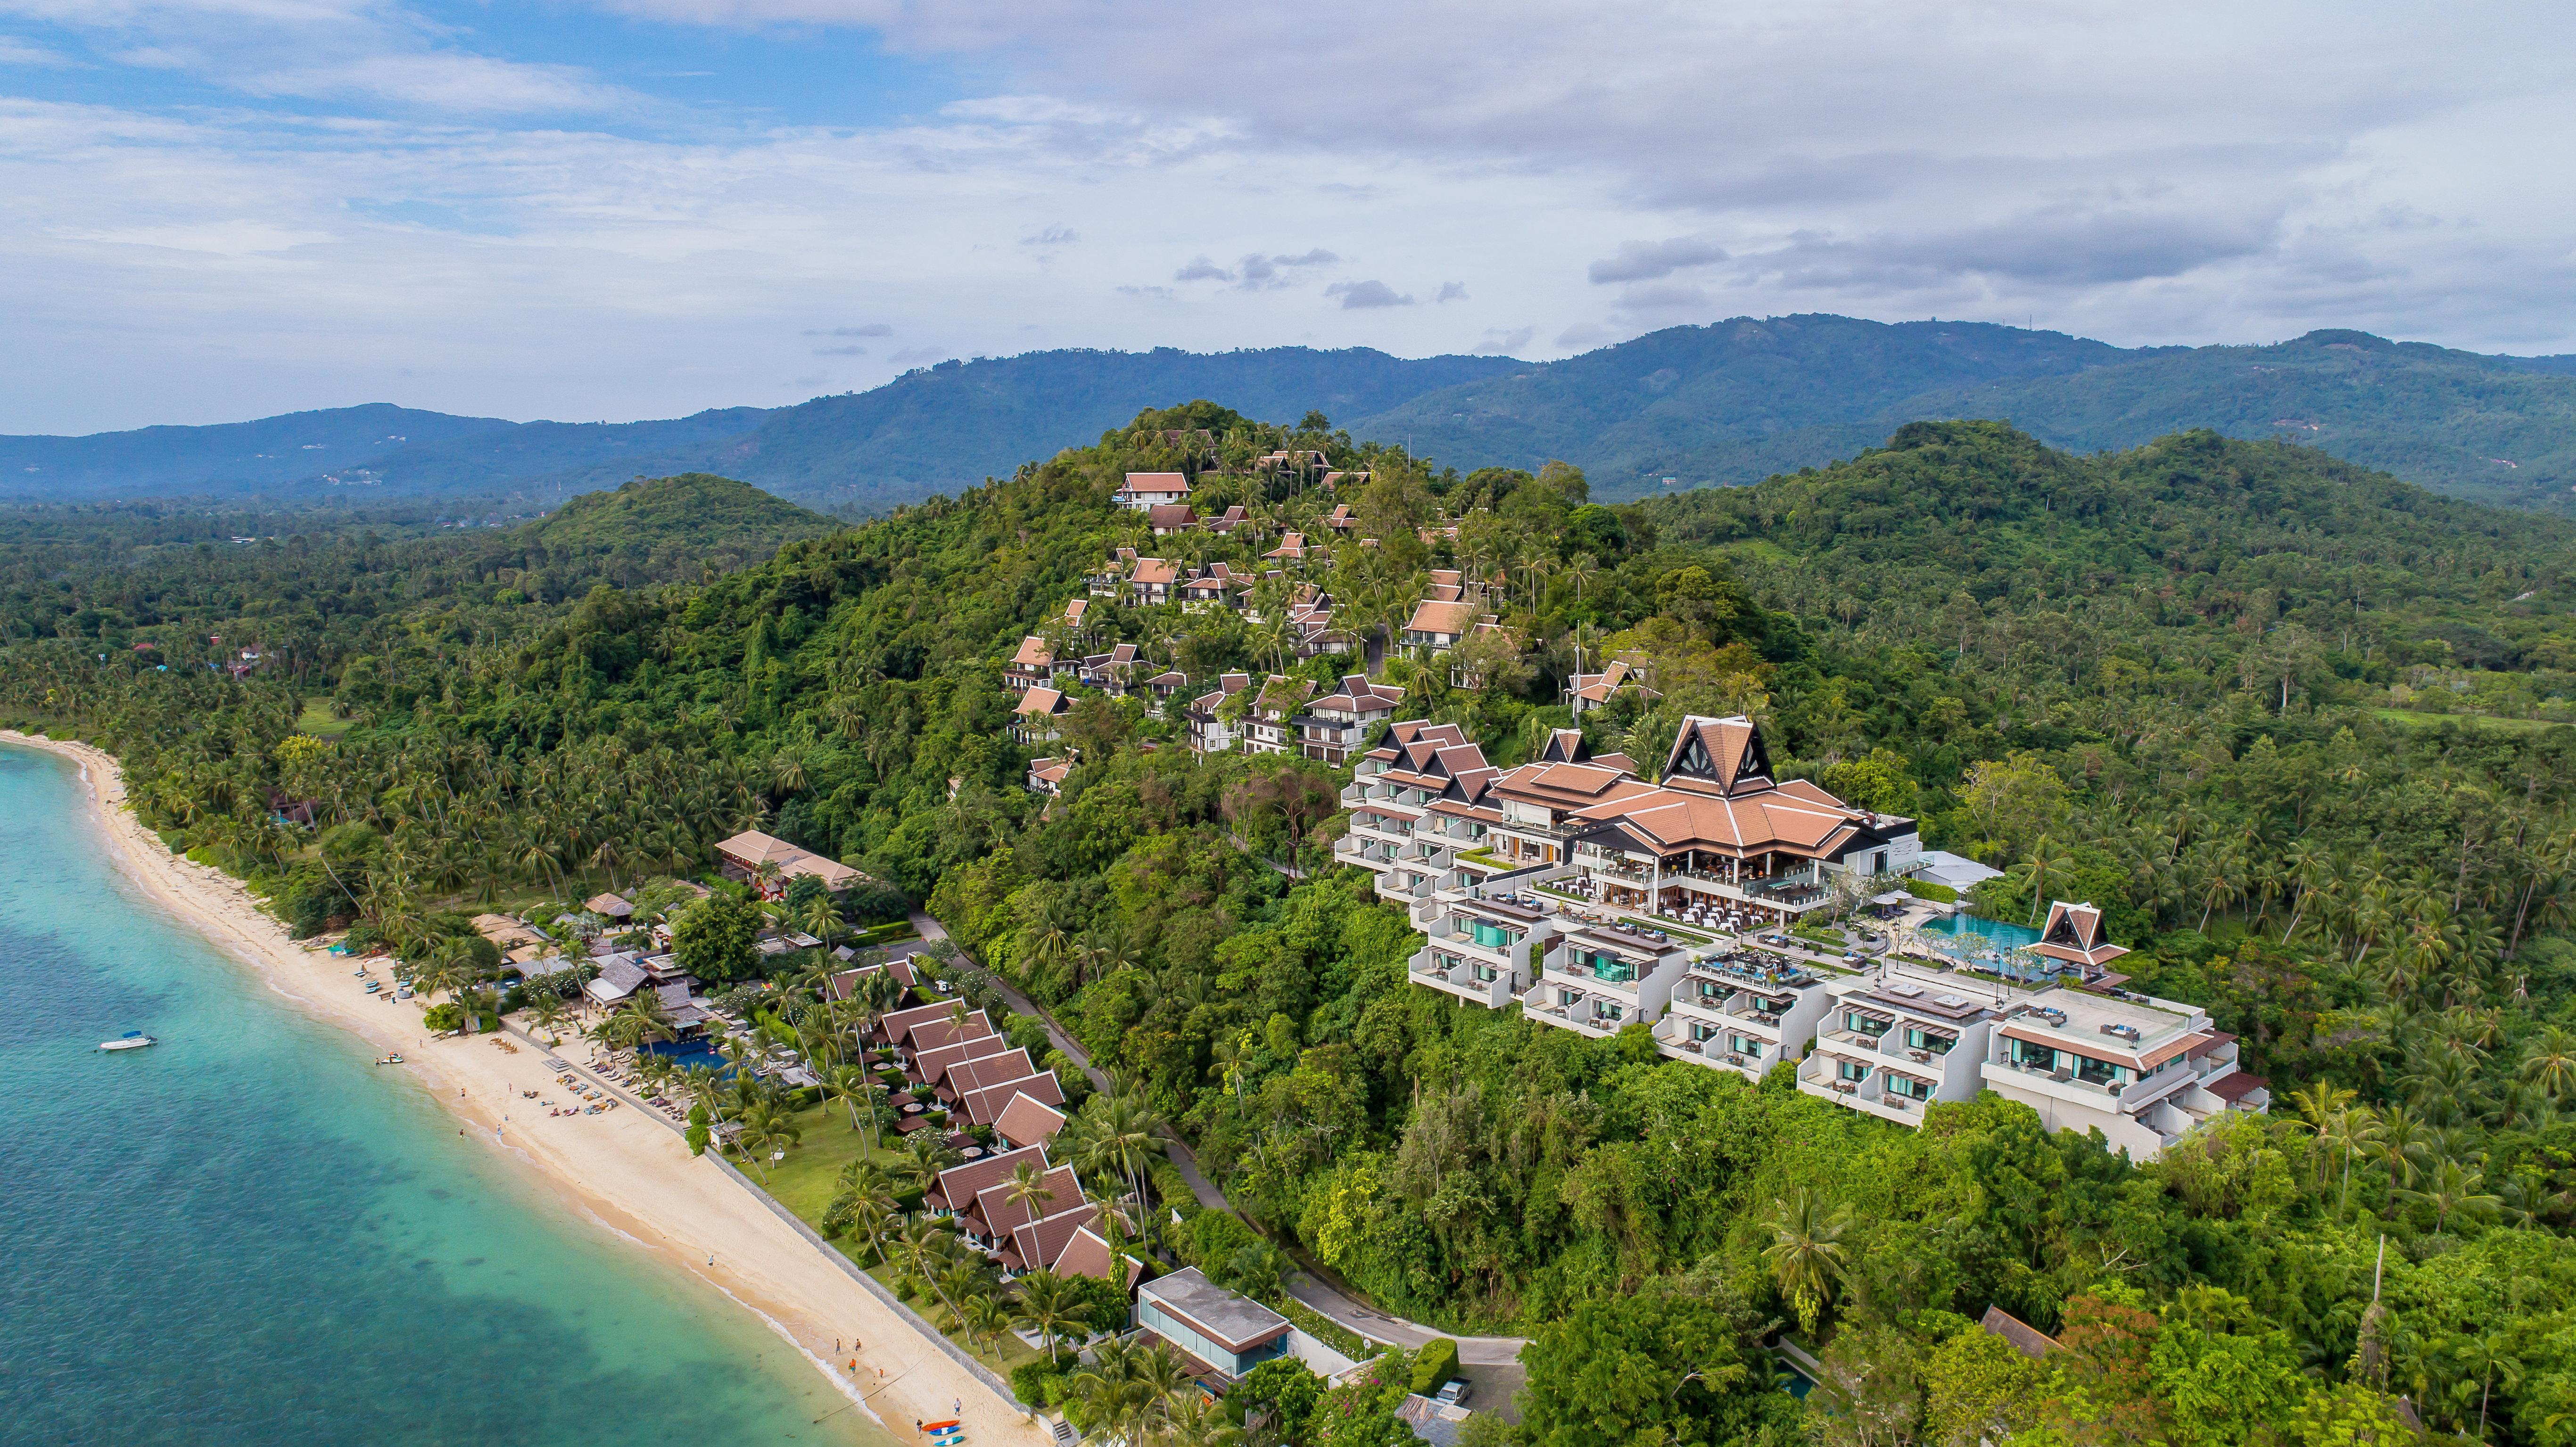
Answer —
249 1234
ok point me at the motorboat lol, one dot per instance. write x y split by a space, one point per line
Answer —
130 1040
389 1060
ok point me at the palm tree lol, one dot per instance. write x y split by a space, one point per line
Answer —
925 1156
2045 857
766 1130
1806 1252
821 919
2455 1189
987 1317
1028 1189
642 1018
1048 1305
546 1012
2350 1131
849 1084
2549 1061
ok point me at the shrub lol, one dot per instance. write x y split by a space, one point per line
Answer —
1172 1187
1038 1383
1437 1362
445 1016
1926 889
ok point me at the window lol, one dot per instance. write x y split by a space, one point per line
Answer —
2098 1072
1869 1025
1702 1033
1851 1070
1918 1038
1744 1045
1908 1087
1567 997
2033 1057
1608 1011
1486 973
1492 936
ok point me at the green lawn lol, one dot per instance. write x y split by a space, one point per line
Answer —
317 720
807 1180
2409 718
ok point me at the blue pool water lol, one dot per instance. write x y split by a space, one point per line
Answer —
2005 936
248 1234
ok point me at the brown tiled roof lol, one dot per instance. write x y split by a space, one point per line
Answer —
958 1184
996 1214
1157 482
1033 653
2026 1339
1432 617
979 1071
1038 1243
1168 516
1154 570
2236 1086
985 1106
1088 1254
933 1064
1767 819
1042 701
897 1025
1028 1120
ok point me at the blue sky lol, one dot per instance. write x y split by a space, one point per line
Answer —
623 208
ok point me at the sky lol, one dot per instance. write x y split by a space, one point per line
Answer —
614 209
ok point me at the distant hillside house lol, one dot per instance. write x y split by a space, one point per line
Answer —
1145 491
1046 776
1210 731
1169 518
1151 583
1334 727
1591 690
1038 718
1034 666
742 856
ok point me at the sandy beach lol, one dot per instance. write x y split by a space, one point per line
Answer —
625 1170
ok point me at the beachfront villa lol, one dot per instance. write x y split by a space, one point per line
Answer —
1227 1333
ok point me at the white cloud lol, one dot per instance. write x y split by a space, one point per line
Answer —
398 208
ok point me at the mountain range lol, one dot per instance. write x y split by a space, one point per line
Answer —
1727 403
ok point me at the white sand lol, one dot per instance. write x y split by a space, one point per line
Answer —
625 1169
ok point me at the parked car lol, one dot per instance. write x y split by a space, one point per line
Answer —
1453 1393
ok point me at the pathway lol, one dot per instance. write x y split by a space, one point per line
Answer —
1305 1286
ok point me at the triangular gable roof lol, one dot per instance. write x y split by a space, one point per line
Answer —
1028 1120
976 1072
931 1035
1039 1242
958 1184
1151 482
905 1026
1717 755
1565 746
996 1214
938 1062
1033 653
985 1106
1088 1254
1045 701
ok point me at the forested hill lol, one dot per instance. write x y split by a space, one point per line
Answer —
2301 731
1738 401
937 429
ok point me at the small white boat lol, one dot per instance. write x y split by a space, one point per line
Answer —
389 1060
130 1040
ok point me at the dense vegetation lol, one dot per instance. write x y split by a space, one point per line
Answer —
2297 725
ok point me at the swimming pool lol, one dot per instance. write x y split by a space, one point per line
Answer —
2004 936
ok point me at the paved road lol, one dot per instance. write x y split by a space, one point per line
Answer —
1367 1321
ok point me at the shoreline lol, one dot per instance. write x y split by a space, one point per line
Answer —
625 1172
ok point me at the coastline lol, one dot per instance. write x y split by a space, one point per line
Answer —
625 1171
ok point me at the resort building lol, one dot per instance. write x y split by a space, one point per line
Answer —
1039 717
1335 726
2140 1070
1026 1122
1746 1011
1603 977
745 855
1213 726
1902 1037
1046 776
1167 519
1486 951
1270 725
1034 666
1227 1333
1586 691
1145 491
1152 582
1416 804
1111 672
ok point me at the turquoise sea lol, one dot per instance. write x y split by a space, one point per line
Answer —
249 1234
